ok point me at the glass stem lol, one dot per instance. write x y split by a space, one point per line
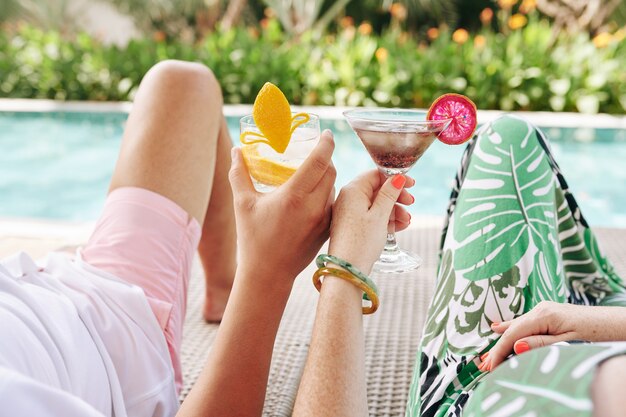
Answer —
391 246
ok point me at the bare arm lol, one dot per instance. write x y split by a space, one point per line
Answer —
234 378
334 377
333 383
279 234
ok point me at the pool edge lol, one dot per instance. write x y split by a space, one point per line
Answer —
550 119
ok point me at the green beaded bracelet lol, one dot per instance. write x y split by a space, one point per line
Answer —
323 259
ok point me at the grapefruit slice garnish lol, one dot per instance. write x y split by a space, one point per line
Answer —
263 169
462 112
272 115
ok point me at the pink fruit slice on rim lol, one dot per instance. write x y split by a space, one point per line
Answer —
461 110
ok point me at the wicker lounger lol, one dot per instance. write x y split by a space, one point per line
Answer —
391 335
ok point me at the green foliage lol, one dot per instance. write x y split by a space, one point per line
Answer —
171 17
48 14
520 71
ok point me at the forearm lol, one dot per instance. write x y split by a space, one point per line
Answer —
234 379
604 324
333 383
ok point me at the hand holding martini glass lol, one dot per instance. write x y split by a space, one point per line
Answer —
396 139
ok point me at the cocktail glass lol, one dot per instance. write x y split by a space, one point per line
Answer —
268 168
395 139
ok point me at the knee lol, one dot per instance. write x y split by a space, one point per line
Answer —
512 129
606 394
185 77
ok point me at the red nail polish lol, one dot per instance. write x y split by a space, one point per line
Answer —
398 181
521 347
495 324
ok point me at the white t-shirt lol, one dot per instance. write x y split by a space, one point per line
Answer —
76 341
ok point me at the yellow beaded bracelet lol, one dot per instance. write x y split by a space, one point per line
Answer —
348 276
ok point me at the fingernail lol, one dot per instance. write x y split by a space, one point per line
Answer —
329 133
482 358
398 181
521 347
233 154
412 199
409 217
495 324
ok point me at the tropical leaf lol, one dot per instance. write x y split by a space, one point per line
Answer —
589 276
438 310
479 304
555 379
506 202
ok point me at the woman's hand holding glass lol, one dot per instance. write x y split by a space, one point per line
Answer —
361 216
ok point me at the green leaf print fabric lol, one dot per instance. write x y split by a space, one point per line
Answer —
514 237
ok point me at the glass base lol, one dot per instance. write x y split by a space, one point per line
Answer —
262 188
397 261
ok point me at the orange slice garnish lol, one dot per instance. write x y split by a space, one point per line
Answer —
272 115
263 169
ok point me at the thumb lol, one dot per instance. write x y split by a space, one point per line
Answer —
388 194
535 342
239 177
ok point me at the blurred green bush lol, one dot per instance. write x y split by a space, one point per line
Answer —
519 68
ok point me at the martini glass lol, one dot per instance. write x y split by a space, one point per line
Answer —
395 139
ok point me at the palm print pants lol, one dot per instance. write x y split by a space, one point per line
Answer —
514 237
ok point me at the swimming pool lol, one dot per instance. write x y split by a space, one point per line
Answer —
57 165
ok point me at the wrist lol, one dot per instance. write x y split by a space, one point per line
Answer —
264 279
358 261
333 284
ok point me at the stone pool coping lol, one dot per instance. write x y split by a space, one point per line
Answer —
550 119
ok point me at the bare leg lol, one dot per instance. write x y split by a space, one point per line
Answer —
176 144
607 389
217 247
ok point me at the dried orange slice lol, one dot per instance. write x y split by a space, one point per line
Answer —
272 115
263 169
461 110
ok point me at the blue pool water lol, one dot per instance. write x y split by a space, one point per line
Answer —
58 166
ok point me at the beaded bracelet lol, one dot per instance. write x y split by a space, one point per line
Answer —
348 276
323 259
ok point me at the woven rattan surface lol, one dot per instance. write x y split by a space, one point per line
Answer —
391 335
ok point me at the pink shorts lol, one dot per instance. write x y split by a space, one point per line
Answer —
148 240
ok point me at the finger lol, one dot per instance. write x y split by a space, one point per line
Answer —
325 186
524 326
401 214
399 226
534 342
388 195
406 198
369 182
239 177
309 174
501 327
410 182
402 218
